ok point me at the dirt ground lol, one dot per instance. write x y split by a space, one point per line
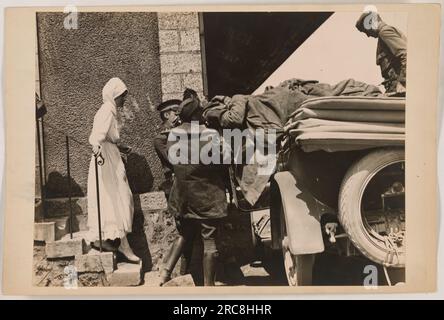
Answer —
238 263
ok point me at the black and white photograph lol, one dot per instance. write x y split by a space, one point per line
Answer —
183 149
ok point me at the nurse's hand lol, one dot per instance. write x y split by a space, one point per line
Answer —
96 150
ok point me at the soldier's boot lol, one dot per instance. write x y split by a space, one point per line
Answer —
184 265
209 267
171 259
185 260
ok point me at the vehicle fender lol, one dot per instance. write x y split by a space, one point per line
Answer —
301 212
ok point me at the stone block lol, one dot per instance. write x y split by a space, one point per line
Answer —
171 83
64 248
182 281
177 20
153 201
168 40
189 40
62 225
44 231
38 211
182 62
151 279
126 274
81 235
95 261
193 81
173 95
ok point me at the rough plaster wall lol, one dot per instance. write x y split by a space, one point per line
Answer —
75 65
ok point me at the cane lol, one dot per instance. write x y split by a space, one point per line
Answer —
98 161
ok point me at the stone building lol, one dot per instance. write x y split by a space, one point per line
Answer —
157 55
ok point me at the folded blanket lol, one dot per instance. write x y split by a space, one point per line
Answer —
292 104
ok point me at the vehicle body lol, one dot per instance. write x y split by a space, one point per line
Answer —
339 179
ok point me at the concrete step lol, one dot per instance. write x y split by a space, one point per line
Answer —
126 274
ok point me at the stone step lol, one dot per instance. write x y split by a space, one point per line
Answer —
65 248
62 225
38 210
151 279
77 235
95 261
126 275
45 231
181 281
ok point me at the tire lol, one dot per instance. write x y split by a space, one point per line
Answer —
351 193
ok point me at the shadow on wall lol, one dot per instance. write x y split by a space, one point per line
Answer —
138 172
137 238
57 186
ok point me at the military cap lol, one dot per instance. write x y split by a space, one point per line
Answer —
172 104
360 23
187 108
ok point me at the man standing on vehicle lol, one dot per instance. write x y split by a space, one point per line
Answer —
168 110
391 53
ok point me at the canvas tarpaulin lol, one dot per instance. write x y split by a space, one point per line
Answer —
348 123
293 101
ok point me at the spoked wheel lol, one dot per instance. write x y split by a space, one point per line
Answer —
298 268
372 206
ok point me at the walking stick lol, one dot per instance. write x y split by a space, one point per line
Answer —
68 169
98 161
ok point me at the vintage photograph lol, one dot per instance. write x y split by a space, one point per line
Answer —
182 149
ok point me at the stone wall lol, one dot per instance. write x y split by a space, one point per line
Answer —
180 55
75 64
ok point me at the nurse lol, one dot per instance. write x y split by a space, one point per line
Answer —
116 199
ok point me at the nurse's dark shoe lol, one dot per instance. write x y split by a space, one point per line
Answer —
107 245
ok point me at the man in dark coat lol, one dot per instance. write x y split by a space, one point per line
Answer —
391 53
168 114
198 199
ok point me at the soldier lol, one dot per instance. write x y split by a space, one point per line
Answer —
391 53
168 110
197 201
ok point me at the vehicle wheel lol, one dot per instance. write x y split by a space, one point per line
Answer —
372 206
298 268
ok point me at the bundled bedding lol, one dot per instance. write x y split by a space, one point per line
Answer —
349 115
